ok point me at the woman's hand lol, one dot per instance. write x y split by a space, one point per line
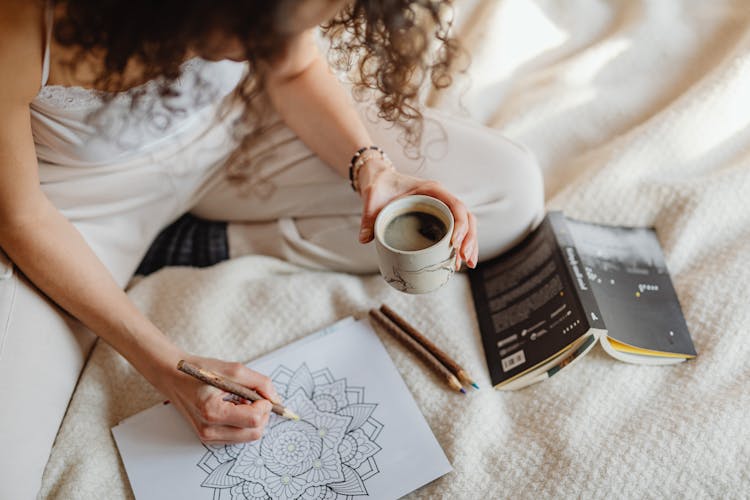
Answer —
214 419
380 183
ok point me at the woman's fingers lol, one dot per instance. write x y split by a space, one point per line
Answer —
460 216
475 258
370 212
260 383
217 420
226 434
216 411
469 245
464 225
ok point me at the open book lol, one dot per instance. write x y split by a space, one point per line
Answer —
544 304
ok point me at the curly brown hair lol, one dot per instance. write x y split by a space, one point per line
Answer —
391 47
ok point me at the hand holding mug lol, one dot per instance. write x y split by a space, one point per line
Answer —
412 238
380 184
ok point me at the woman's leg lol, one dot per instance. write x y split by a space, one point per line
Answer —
42 352
298 209
118 209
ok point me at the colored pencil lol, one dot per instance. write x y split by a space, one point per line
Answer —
232 387
393 329
446 360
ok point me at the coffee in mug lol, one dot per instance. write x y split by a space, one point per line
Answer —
414 231
412 238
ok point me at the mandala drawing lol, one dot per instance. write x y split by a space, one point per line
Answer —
328 454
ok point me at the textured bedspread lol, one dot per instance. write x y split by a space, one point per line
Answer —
639 112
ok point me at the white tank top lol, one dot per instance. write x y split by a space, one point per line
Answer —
72 126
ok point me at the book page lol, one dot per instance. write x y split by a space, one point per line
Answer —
360 433
628 275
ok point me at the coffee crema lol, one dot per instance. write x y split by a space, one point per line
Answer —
414 230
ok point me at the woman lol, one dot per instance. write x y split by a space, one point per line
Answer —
118 117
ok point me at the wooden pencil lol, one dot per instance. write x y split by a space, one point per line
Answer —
231 387
393 329
449 362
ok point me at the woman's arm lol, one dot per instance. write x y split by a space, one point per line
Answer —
54 256
311 101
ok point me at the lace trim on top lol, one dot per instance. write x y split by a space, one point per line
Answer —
60 96
76 97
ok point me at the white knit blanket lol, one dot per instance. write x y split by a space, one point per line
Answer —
640 114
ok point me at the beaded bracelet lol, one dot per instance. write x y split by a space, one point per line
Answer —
358 160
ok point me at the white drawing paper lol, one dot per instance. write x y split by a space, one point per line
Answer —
361 435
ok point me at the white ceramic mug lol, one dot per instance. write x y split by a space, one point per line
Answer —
415 271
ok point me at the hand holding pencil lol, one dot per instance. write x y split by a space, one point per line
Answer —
216 417
232 387
434 357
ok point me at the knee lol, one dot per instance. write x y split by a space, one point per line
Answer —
515 204
527 187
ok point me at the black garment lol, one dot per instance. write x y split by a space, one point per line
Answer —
188 241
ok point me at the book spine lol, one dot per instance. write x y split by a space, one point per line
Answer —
576 270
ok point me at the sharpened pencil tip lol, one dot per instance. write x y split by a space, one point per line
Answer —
474 384
290 415
463 390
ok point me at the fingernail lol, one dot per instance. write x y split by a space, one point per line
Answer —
364 235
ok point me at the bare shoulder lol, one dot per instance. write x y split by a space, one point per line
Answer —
299 52
21 49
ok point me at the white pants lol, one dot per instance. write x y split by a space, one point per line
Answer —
296 209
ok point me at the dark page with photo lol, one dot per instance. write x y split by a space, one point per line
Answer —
526 304
629 278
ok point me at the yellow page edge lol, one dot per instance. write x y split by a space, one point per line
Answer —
623 347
